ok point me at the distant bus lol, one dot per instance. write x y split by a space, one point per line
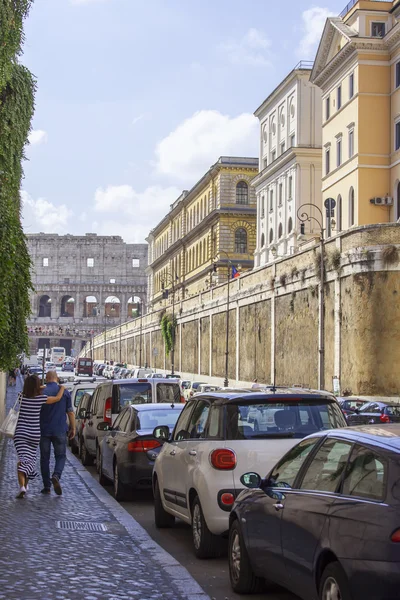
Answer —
57 355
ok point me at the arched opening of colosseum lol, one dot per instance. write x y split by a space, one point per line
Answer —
67 306
90 307
112 306
45 306
135 308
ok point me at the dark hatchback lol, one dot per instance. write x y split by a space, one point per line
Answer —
350 405
127 456
375 412
325 522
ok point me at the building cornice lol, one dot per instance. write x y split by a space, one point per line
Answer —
291 155
293 76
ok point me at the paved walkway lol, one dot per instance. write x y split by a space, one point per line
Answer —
40 560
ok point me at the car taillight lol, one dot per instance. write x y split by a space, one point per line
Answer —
108 411
223 459
227 499
143 445
395 537
384 419
183 399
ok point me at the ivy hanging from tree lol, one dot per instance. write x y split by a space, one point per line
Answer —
168 328
17 90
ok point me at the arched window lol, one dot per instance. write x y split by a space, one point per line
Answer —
262 240
339 214
242 193
271 236
398 201
45 306
290 225
240 241
280 231
351 207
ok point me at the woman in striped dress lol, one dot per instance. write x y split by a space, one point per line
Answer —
27 432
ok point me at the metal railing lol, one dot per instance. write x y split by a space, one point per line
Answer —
352 3
305 65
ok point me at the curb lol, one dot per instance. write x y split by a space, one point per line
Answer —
181 577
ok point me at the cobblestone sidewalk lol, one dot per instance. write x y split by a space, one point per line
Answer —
38 559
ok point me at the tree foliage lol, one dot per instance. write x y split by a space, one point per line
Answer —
17 89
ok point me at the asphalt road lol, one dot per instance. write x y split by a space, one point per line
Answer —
213 574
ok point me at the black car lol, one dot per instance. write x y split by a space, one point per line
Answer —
325 522
350 405
126 457
375 412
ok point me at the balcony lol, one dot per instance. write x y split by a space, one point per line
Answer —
352 3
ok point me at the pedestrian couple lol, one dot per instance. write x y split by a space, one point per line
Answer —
42 421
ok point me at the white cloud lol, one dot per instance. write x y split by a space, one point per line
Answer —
251 50
197 143
37 136
129 213
42 215
313 24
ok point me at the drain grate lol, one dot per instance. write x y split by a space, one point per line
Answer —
80 526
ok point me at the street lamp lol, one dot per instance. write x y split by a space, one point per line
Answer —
172 280
303 218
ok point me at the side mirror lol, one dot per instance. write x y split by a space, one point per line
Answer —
161 433
104 427
82 413
251 480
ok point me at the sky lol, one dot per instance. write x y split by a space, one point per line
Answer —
136 100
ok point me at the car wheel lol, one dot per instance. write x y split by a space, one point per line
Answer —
334 584
98 458
162 519
86 459
120 491
206 544
243 580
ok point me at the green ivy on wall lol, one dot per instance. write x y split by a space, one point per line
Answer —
17 91
168 328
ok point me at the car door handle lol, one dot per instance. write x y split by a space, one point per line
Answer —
192 452
173 452
114 443
278 506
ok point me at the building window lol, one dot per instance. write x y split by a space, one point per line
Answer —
265 163
112 280
327 108
378 30
262 206
351 143
280 231
351 207
339 214
273 155
283 147
271 236
271 200
241 241
45 262
339 152
290 225
262 240
290 187
397 74
242 193
292 141
397 136
90 262
351 85
280 194
327 161
135 263
339 97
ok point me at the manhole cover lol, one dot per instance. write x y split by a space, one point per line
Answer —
80 526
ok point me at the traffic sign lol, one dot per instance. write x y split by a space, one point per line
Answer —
330 203
155 351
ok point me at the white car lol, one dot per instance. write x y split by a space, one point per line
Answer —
197 473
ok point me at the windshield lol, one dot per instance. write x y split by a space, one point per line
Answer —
134 393
79 394
149 419
295 419
168 392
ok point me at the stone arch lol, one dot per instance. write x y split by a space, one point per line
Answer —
251 229
262 240
67 308
112 306
90 306
44 306
135 307
271 235
280 231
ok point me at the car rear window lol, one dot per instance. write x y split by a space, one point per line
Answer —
393 410
134 393
294 418
168 392
149 419
79 394
85 363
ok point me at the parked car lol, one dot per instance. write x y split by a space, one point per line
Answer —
125 458
375 412
190 391
324 522
67 366
156 376
197 473
100 370
111 397
138 373
185 383
206 387
128 374
80 420
84 366
350 405
80 389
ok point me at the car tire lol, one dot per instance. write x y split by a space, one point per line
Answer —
98 458
243 580
162 519
334 581
206 544
86 459
120 491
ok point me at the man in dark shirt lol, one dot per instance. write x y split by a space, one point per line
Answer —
53 429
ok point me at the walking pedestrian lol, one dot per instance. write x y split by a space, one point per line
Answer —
12 379
27 431
53 428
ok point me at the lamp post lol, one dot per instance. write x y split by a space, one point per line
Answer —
303 218
141 333
172 280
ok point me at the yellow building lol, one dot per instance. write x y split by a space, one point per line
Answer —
357 68
212 224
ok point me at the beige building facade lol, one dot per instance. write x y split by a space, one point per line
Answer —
208 229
